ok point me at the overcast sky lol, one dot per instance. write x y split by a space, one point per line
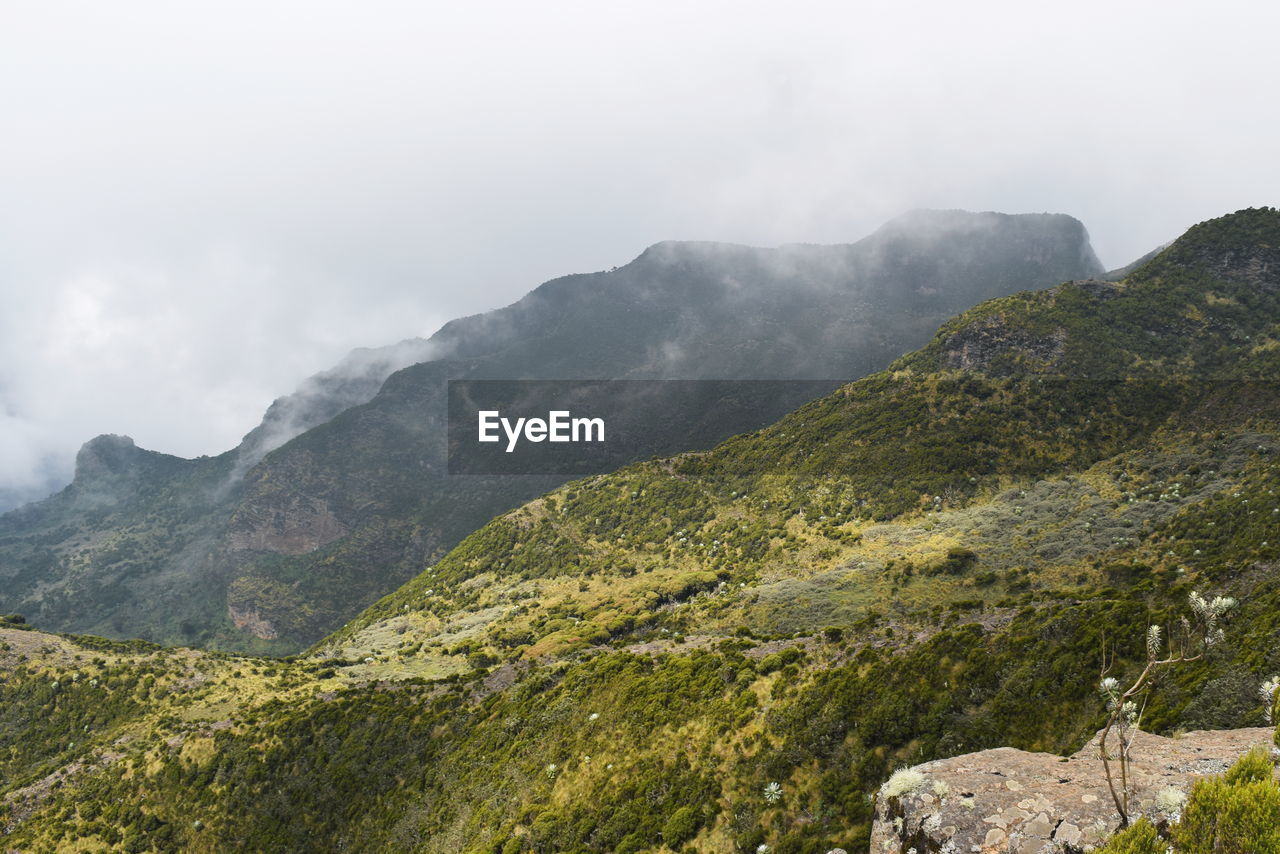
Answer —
202 203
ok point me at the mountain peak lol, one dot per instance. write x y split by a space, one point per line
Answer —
954 217
1193 309
667 253
1242 247
928 223
1033 236
108 454
1245 228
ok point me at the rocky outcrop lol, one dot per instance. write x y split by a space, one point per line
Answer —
996 343
1008 801
293 526
979 344
1256 267
111 469
105 456
249 620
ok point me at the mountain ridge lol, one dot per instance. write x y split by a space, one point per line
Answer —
729 650
342 513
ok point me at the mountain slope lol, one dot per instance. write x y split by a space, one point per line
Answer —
286 548
351 382
1100 370
735 648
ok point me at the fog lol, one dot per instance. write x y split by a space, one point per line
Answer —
201 204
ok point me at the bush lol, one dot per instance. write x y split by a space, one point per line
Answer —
1139 839
1226 817
682 825
1253 767
903 781
1237 813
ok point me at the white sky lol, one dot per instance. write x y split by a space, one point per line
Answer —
203 202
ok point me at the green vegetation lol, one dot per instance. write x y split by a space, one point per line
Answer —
1141 838
553 759
269 558
736 648
1237 813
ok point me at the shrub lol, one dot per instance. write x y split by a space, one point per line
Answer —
1235 814
682 825
1171 800
1141 838
1253 767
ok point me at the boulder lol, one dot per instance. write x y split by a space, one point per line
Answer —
1008 801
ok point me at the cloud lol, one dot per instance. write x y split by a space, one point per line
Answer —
204 203
183 357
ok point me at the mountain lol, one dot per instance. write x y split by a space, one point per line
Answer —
270 546
1123 272
732 649
353 381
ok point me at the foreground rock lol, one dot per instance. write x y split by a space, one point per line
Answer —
1013 802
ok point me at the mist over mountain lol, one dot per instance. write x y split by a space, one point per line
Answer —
352 381
1123 272
270 552
734 650
355 379
52 478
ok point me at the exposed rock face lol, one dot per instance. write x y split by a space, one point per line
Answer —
249 620
977 345
1258 267
104 456
983 342
1008 801
300 526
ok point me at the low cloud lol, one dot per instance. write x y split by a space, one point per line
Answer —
205 203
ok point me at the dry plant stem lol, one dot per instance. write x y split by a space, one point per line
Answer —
1121 798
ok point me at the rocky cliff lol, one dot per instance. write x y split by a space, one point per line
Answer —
1007 801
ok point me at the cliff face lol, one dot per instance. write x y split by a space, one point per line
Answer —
1007 801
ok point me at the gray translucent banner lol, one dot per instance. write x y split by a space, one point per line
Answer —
581 427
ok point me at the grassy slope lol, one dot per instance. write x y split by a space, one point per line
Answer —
928 562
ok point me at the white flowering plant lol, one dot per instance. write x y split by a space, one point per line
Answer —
904 781
1194 636
1267 692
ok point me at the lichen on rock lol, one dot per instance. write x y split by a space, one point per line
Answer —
1008 801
